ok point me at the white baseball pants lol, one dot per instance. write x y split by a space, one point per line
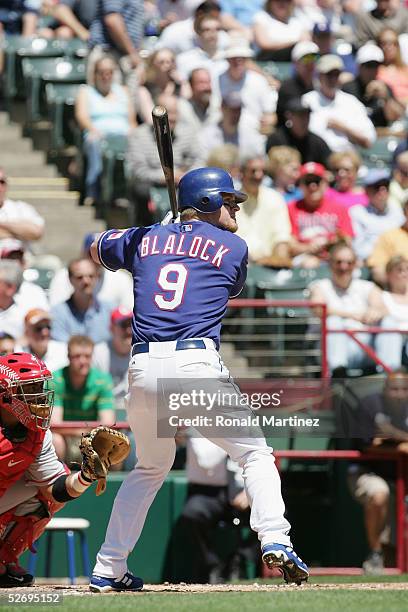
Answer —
155 455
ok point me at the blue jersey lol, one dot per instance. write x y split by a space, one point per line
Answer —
183 275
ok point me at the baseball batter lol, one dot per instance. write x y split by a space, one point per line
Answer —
34 484
184 274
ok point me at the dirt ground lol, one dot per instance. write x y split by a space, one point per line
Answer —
82 590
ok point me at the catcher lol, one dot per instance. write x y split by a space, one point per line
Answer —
34 484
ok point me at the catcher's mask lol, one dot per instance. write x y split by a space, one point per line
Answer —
24 389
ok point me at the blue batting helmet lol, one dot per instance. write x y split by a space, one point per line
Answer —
202 189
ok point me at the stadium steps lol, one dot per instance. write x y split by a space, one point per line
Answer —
237 365
32 180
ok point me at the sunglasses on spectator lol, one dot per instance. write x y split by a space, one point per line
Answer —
309 180
371 64
40 328
3 181
332 74
344 169
348 262
124 324
403 172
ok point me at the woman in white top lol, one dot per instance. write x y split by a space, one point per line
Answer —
277 29
390 347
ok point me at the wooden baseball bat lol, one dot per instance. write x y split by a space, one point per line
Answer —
165 149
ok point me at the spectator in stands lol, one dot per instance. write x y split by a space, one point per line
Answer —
82 393
389 244
387 13
304 57
72 18
369 222
113 356
16 298
399 183
101 110
82 313
115 287
257 96
382 107
231 130
143 161
339 118
19 17
277 29
264 222
215 493
284 166
351 303
345 167
383 424
226 157
205 53
389 347
118 28
38 340
393 72
317 222
18 219
7 343
181 36
201 108
323 37
160 77
296 134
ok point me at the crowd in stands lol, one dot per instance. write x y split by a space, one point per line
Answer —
290 96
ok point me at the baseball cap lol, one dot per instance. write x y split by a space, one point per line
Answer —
9 246
35 315
329 62
369 53
232 99
88 240
297 105
121 314
237 48
312 168
322 29
376 175
305 47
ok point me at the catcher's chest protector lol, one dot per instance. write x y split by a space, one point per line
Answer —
16 457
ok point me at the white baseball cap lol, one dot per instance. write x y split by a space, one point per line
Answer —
306 47
369 53
238 47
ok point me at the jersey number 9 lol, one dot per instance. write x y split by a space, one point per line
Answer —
172 279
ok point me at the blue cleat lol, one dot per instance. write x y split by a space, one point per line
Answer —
128 582
286 560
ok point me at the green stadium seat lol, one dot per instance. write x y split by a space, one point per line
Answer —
114 180
38 71
381 153
60 100
279 70
161 202
15 49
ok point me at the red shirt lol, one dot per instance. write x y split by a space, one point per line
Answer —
330 220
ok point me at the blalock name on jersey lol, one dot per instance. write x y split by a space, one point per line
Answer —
197 248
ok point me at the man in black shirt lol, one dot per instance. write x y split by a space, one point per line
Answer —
295 133
382 108
304 57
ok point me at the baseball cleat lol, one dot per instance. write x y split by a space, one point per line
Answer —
128 582
15 576
286 560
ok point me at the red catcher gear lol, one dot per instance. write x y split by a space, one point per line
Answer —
16 457
26 530
23 391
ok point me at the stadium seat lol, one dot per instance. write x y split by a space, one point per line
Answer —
60 99
160 202
381 153
279 70
15 49
113 181
39 71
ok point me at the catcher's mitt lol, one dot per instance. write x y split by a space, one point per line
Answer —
101 448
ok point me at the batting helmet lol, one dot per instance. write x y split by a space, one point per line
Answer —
202 189
24 389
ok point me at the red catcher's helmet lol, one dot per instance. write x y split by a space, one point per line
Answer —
24 389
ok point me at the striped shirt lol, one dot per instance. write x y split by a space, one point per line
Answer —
132 12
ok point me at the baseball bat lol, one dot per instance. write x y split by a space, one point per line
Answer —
165 149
